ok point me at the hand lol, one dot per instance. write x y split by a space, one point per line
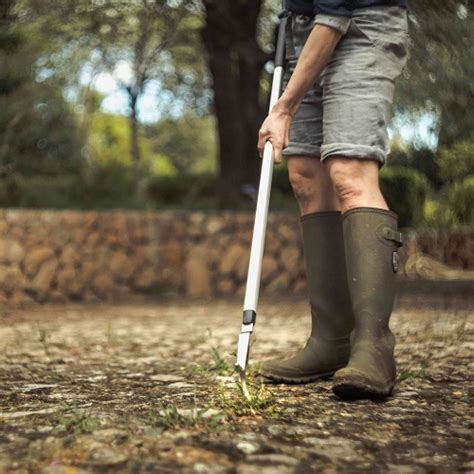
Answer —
276 129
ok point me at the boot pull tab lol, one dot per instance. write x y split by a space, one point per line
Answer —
392 235
388 234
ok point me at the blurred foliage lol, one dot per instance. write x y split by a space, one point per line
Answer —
109 139
102 187
460 199
423 160
38 130
457 162
438 77
189 143
454 209
58 148
406 191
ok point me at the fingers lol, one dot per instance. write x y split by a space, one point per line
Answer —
263 137
277 150
277 144
278 154
274 129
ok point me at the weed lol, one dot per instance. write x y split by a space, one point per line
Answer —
218 366
262 402
170 416
43 338
406 374
200 339
112 337
75 421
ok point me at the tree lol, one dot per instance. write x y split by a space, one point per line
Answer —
142 37
235 62
37 127
188 143
140 43
439 75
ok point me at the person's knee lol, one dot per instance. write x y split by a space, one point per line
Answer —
303 182
353 180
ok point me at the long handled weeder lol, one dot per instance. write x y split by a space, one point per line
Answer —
260 224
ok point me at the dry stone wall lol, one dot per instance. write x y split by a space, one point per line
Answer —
58 256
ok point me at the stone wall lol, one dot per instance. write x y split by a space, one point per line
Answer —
58 256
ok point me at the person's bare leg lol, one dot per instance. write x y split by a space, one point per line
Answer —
327 348
311 185
356 182
371 239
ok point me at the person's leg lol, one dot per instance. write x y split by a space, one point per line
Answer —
328 346
371 240
356 182
358 86
312 185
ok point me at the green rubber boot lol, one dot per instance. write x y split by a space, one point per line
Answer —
371 241
328 347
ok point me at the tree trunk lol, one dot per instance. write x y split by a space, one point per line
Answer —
135 148
235 62
6 7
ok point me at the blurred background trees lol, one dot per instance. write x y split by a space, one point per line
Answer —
157 103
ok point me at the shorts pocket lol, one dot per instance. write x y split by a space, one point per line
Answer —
381 25
385 28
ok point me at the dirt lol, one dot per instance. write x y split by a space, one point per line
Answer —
148 387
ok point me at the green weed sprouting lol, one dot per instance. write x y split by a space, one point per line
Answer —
75 421
262 402
170 416
406 374
218 366
43 338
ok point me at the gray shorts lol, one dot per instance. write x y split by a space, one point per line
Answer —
347 111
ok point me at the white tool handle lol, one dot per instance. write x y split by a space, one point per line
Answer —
261 214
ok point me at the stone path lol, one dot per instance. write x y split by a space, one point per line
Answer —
148 387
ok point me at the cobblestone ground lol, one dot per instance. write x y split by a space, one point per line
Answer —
148 387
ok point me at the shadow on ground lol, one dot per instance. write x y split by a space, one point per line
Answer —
149 387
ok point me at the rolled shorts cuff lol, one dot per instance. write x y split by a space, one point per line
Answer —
339 23
305 149
346 150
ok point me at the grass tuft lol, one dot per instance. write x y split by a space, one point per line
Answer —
75 421
263 401
170 416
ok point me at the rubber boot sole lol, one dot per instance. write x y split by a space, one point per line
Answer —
356 388
275 378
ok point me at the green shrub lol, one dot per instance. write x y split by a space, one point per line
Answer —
57 192
423 160
112 185
457 162
101 187
406 191
439 216
184 190
460 199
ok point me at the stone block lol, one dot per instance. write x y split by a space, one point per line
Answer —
11 251
291 259
145 280
103 285
269 268
35 258
121 266
41 283
198 275
235 260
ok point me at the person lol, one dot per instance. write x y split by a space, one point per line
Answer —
330 123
